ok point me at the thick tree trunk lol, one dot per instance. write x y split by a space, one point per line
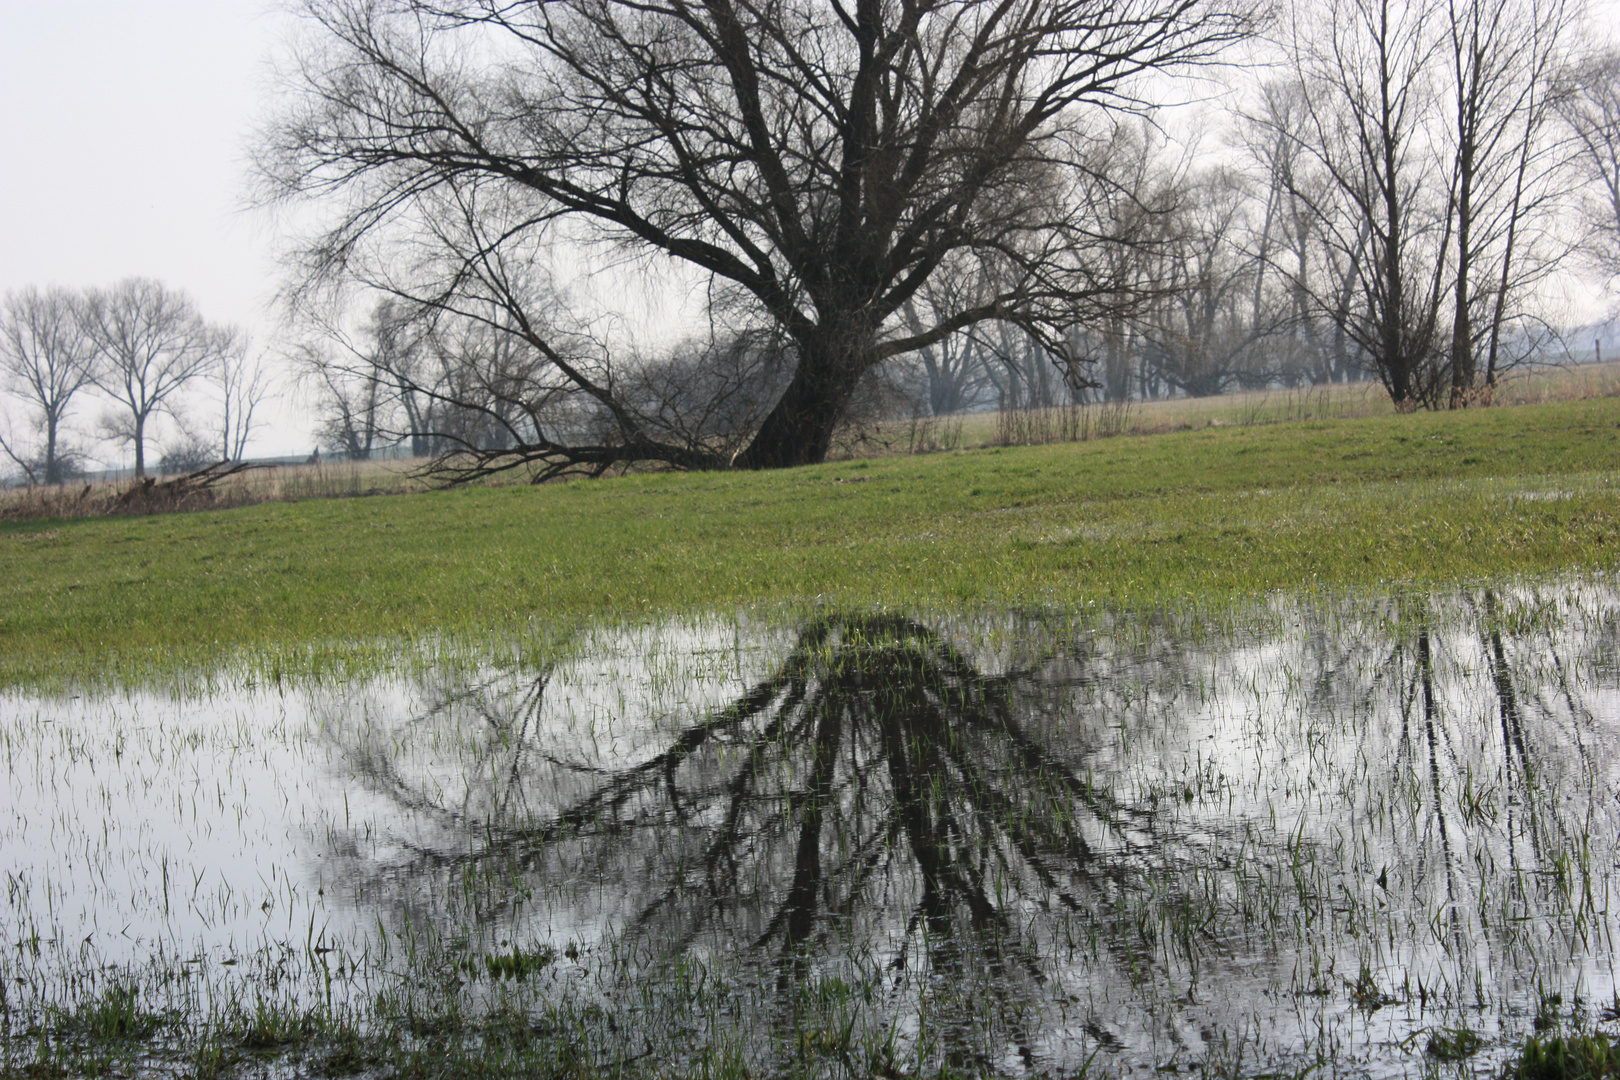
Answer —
53 468
799 429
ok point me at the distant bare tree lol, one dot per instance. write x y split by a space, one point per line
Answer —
1133 195
433 380
185 452
1208 329
45 360
954 372
1137 205
348 409
244 383
1294 245
348 375
149 343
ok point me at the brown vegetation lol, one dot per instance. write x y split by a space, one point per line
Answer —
212 489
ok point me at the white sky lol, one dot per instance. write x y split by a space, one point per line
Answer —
125 130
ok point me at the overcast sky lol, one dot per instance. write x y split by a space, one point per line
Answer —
125 126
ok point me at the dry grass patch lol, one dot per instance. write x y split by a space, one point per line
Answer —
249 487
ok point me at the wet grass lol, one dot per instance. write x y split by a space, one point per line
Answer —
432 1031
1189 518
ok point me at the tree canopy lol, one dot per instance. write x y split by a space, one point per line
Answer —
811 165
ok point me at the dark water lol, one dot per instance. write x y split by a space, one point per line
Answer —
1304 833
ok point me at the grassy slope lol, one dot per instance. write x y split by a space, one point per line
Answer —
1195 516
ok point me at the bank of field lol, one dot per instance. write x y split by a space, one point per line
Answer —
1193 517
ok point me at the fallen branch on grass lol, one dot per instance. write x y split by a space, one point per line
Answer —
191 489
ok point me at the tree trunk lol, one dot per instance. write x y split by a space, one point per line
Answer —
140 446
1462 325
225 432
53 469
799 429
1462 344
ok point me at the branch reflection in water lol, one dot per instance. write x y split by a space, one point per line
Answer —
877 816
893 842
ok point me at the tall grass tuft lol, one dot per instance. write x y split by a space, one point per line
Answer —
1565 1057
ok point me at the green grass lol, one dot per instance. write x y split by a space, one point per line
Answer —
1193 517
1565 1057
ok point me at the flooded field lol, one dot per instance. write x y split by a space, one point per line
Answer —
1376 837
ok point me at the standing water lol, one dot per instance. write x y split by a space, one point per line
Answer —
1362 837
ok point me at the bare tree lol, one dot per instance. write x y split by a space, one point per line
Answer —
347 375
1285 243
1208 331
954 372
45 361
244 383
1370 96
348 409
812 165
1503 60
1589 105
400 355
1137 198
1294 244
1429 121
150 343
428 379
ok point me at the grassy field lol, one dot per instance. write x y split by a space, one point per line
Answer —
1190 517
1338 401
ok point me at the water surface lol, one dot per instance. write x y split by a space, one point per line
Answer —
1309 832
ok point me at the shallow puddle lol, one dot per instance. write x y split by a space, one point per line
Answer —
1310 833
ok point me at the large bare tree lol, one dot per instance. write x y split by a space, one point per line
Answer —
1369 70
1503 58
809 164
1430 122
45 360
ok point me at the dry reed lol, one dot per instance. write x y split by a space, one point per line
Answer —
279 483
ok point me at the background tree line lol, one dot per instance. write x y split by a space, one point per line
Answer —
135 348
921 207
1392 206
876 209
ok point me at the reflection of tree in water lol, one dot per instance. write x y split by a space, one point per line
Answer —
1070 849
876 808
1541 739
